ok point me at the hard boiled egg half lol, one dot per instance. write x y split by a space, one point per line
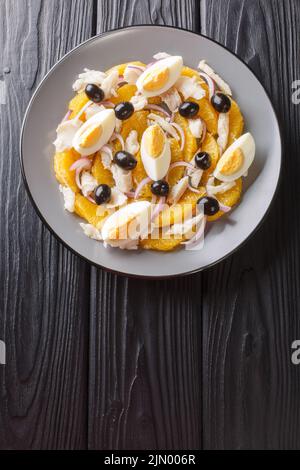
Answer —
127 225
155 152
95 132
236 160
160 76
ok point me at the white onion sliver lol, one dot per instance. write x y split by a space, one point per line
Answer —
194 190
106 149
117 136
156 107
140 186
211 84
181 133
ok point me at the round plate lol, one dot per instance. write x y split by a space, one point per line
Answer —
48 105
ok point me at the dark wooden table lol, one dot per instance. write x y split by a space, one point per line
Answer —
104 362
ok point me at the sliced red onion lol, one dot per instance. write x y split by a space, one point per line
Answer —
107 104
181 163
224 208
158 208
204 132
77 178
210 82
181 133
156 107
197 237
122 83
140 186
67 116
91 199
136 67
153 200
83 109
117 136
81 163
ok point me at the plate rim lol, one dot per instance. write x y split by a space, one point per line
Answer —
98 265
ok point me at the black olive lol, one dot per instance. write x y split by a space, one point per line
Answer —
188 109
102 194
160 188
211 205
125 160
124 110
221 102
94 93
203 160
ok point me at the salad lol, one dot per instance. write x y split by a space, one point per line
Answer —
147 154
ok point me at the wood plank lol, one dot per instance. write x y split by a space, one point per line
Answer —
44 300
251 302
145 336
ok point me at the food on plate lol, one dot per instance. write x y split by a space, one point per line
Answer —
147 154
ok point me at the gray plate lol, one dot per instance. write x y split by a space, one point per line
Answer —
48 105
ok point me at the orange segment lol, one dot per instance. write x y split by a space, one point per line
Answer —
125 93
101 174
88 211
189 72
210 146
236 123
62 163
176 156
138 174
190 146
229 198
77 103
160 244
208 114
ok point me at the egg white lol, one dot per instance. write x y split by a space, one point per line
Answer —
156 168
104 118
174 64
246 144
140 211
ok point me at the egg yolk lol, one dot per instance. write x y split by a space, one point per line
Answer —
91 136
156 79
232 163
154 141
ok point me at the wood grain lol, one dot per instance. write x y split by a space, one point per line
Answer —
145 352
44 290
251 302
